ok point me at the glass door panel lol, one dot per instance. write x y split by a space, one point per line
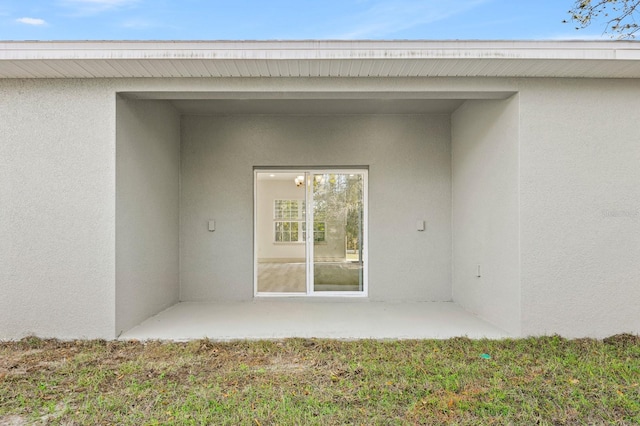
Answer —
337 220
280 221
310 232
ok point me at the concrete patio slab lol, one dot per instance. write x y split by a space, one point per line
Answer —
282 318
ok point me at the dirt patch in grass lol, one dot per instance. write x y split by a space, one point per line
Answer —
623 340
12 421
546 380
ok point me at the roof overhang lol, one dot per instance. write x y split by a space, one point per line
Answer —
124 59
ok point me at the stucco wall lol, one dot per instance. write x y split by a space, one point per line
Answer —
579 196
409 179
580 206
57 208
486 233
147 209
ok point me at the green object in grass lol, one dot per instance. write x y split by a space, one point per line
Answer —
485 356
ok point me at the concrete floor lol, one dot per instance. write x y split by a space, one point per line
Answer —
282 318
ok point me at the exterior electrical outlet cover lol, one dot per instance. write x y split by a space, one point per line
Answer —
420 225
212 225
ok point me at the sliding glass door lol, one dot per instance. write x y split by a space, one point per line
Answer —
338 232
310 232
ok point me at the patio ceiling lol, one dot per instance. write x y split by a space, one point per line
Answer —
113 59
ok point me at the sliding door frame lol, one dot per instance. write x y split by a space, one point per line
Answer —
308 173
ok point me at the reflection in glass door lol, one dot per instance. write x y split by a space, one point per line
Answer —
338 232
280 221
310 232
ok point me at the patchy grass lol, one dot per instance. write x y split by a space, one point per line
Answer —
546 380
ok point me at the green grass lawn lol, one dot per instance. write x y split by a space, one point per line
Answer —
546 380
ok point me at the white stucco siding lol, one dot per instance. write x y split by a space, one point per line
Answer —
580 206
579 195
147 210
409 179
486 221
57 208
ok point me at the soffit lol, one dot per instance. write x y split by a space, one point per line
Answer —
602 59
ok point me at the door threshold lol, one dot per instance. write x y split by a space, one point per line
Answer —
327 295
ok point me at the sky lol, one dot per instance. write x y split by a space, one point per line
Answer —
289 20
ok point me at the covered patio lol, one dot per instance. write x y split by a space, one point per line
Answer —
270 318
501 181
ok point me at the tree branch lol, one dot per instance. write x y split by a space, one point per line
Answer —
620 16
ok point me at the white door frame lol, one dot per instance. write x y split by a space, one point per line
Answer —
308 172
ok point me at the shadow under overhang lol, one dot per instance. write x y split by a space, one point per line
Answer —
292 103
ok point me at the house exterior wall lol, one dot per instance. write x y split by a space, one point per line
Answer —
409 179
579 197
147 209
57 208
486 225
580 206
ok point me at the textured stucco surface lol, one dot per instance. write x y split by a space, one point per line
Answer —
486 232
147 210
57 208
579 196
580 207
409 179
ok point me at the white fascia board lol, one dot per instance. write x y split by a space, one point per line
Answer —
122 59
319 50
